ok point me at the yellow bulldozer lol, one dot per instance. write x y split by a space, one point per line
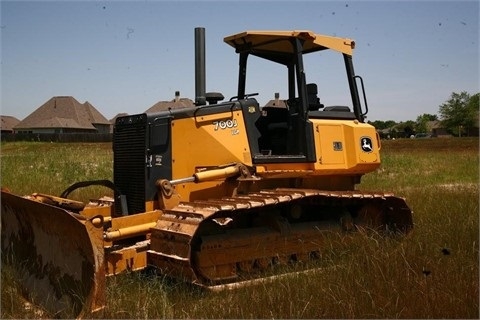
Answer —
211 193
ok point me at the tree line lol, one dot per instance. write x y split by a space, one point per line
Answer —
458 116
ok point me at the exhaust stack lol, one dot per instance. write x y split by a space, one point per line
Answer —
200 94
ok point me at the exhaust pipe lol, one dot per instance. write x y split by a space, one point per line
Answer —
200 94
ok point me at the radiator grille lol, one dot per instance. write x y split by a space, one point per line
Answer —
129 147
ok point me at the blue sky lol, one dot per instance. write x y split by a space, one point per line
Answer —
124 56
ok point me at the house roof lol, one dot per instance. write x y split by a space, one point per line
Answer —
8 122
95 116
435 124
173 104
278 103
63 112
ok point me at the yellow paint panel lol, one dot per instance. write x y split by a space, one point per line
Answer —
339 147
332 144
207 141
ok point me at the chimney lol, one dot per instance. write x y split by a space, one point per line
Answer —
277 98
177 96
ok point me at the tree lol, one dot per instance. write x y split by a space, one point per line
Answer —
385 128
473 108
459 114
380 125
406 127
422 121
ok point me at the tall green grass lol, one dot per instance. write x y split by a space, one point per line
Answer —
431 273
51 167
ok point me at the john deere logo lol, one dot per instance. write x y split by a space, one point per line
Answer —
366 144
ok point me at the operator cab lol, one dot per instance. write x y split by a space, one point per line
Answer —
286 134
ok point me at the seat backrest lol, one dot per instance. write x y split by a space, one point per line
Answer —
312 98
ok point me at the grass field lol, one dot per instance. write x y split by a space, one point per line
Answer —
432 273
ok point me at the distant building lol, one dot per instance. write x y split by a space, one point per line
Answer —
7 123
435 129
176 103
276 102
64 114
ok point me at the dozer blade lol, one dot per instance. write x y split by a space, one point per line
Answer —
59 257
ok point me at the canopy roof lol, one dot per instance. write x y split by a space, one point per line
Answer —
278 42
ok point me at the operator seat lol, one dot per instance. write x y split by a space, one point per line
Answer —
312 98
